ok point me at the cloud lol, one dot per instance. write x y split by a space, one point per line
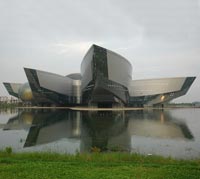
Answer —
72 47
159 38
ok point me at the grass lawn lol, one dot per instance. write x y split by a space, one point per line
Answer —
95 165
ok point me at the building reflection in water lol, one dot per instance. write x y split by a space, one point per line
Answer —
105 130
8 110
23 120
157 124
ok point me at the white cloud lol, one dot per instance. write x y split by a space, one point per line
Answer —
73 47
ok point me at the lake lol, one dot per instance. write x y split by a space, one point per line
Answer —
167 132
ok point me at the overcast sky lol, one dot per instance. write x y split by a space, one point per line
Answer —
161 38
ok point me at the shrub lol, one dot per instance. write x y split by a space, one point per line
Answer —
95 149
8 150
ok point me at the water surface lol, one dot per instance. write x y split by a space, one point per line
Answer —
168 132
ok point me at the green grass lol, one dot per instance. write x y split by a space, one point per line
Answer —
95 165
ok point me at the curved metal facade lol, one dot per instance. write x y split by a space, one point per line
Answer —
105 81
49 88
12 88
19 90
158 91
106 77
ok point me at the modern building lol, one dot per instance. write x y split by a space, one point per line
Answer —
20 90
105 81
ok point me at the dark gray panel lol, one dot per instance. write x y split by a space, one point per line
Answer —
13 88
86 68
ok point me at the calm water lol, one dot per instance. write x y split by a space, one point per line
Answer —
174 133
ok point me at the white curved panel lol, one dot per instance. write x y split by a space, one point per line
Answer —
15 87
155 86
119 69
54 82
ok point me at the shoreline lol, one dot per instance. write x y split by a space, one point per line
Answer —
109 109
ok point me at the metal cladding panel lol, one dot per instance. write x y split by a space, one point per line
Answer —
54 82
155 86
76 90
38 93
76 87
119 69
13 88
86 68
